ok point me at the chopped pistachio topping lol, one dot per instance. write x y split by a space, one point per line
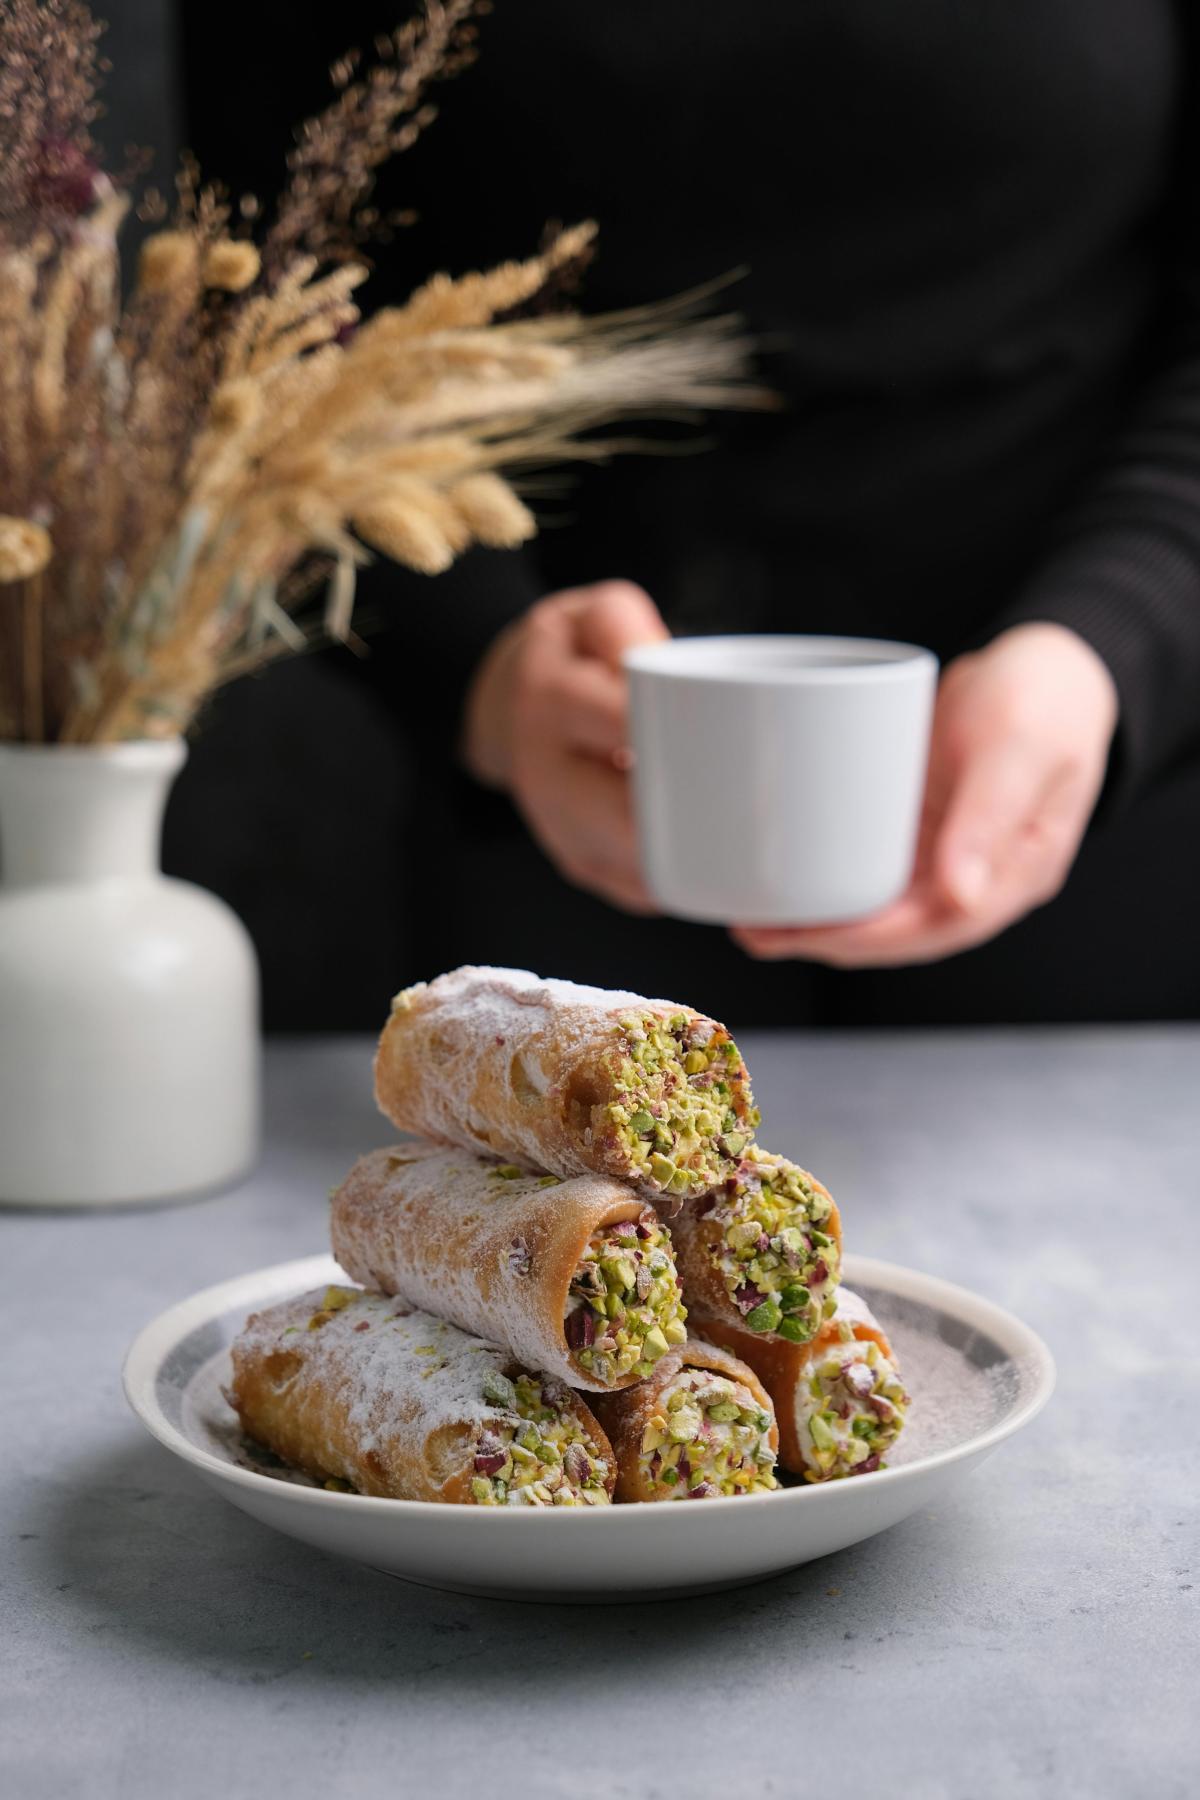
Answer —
852 1410
539 1454
780 1268
332 1301
499 1389
708 1435
624 1305
684 1105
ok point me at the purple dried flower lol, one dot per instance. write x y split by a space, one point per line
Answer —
580 1328
858 1378
577 1465
490 1455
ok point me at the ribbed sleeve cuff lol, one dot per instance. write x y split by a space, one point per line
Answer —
1133 594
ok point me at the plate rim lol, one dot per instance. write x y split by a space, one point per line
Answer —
161 1335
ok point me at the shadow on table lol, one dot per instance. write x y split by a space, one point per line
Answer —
135 1557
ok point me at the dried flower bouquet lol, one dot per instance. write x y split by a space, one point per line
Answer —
181 469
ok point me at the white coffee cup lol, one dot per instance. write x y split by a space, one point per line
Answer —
778 780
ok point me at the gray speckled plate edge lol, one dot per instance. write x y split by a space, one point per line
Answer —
492 1550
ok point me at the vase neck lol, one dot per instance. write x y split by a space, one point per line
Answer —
72 814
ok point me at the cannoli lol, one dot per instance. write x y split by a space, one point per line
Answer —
363 1392
574 1276
839 1400
701 1425
568 1078
763 1250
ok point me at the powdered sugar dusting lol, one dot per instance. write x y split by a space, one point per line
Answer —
405 1362
482 988
364 1388
490 1058
854 1309
951 1399
474 1241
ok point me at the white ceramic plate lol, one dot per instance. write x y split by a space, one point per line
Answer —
975 1373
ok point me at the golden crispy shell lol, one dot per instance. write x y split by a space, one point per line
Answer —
697 1234
784 1368
625 1416
506 1063
378 1395
492 1252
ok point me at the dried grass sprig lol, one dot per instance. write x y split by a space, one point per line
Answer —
50 74
173 471
324 209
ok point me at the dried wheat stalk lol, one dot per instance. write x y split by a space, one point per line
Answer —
169 466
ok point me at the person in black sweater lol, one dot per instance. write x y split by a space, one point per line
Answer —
971 244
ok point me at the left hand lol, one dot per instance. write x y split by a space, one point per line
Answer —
1021 736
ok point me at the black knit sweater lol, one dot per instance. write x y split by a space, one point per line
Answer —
972 234
971 237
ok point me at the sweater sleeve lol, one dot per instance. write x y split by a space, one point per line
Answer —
426 636
1123 564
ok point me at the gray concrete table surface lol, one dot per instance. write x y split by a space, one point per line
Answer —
1036 1633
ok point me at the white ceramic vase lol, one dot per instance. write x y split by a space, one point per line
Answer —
129 1041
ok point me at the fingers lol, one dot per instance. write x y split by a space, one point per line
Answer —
1030 722
564 700
570 677
617 616
580 813
1020 744
850 947
563 726
995 842
1011 832
996 797
1025 847
1008 854
907 931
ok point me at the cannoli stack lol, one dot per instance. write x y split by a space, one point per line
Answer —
579 1280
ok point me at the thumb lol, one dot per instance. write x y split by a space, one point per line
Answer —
614 617
997 791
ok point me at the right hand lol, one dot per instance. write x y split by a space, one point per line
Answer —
546 719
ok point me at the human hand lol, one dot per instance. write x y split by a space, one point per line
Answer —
546 719
1021 735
